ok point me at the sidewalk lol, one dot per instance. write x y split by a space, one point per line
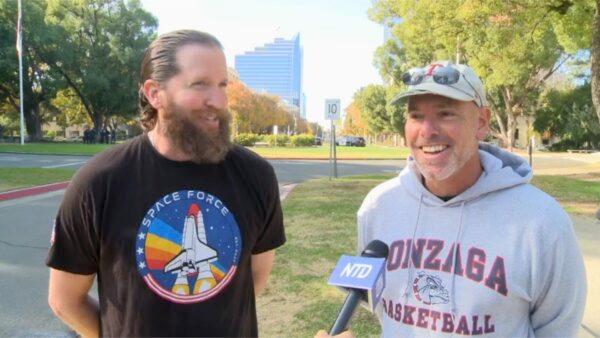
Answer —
587 230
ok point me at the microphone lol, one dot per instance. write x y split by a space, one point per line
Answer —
363 277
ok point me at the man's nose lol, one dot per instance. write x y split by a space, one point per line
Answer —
217 99
429 128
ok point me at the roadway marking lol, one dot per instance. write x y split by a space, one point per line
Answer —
63 165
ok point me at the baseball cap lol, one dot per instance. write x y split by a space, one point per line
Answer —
455 81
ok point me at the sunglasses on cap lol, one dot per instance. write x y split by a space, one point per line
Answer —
444 75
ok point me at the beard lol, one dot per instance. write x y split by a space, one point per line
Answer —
203 146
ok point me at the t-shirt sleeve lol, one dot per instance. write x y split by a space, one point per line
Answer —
75 242
272 234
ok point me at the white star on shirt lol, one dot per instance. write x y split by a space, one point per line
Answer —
142 235
140 251
142 265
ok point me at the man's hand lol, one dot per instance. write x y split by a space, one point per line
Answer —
68 297
345 334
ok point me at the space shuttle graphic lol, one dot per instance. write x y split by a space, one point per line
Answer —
194 257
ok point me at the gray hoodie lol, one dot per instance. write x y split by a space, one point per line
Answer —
518 270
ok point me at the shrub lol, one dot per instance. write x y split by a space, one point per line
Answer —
246 139
50 134
302 140
277 140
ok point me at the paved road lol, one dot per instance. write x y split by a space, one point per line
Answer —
540 161
44 161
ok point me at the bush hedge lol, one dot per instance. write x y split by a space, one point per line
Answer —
246 139
302 140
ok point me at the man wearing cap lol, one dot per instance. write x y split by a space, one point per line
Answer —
474 248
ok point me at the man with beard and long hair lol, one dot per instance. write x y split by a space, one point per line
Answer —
178 224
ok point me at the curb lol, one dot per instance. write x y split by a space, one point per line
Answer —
40 189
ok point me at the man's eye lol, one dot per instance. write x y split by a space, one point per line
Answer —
447 114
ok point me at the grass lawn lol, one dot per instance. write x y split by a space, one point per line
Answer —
322 152
14 178
54 148
576 195
320 217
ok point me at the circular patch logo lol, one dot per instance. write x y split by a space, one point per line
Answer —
188 246
429 289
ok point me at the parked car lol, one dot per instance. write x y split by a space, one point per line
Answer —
351 141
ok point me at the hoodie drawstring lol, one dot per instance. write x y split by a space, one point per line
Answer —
410 267
454 259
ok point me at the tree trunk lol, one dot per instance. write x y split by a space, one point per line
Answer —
31 113
595 60
33 123
97 120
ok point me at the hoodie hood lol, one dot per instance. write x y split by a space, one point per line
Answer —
501 170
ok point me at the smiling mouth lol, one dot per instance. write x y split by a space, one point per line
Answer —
210 118
436 149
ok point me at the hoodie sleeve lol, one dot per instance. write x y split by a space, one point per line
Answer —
560 293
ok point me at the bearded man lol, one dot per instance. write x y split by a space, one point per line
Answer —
178 225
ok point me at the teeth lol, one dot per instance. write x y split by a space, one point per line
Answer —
434 149
211 117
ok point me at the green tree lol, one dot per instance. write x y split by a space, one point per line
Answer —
40 82
372 104
106 40
569 114
508 43
577 24
71 111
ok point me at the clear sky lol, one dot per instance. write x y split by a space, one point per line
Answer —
337 37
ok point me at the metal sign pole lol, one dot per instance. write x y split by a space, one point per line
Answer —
334 152
331 145
20 52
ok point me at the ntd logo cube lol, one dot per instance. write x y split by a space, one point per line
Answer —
363 273
357 270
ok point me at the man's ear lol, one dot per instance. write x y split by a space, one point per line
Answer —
151 90
483 123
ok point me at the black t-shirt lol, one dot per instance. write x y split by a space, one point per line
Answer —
171 242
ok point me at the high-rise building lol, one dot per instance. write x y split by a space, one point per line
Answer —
275 68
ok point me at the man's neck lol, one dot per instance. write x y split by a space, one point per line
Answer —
165 146
462 180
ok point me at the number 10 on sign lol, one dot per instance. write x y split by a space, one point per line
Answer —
332 109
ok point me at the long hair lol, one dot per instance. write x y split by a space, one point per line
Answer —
160 64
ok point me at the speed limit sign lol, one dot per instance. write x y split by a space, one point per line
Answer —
332 109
